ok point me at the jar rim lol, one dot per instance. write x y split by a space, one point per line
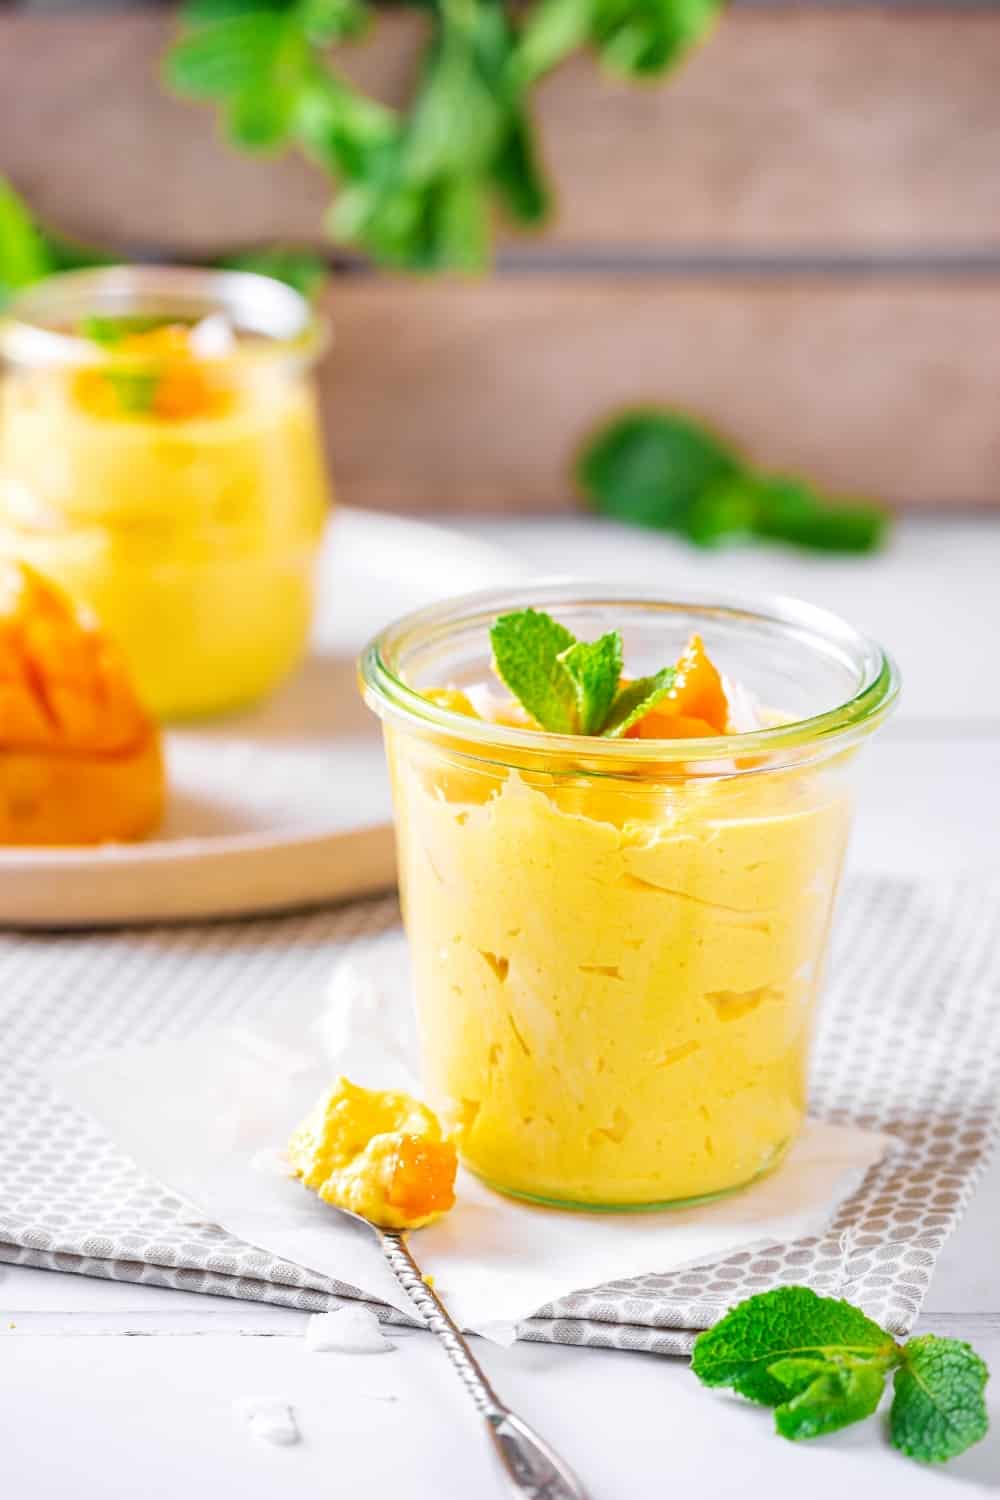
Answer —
290 329
388 694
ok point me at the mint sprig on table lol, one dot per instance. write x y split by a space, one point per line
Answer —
570 686
663 469
822 1365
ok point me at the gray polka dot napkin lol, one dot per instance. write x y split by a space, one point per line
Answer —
909 1044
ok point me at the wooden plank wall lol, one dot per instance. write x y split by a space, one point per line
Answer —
798 235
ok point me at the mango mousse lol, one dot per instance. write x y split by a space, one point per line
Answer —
171 477
80 759
616 961
380 1154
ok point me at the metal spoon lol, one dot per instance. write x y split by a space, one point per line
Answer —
532 1470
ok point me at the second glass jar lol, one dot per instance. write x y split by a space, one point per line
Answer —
179 492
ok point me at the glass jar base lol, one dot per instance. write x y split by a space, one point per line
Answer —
573 1205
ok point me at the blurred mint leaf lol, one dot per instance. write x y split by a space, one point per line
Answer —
551 31
651 465
635 700
260 119
517 173
110 331
528 647
228 58
790 510
638 38
643 37
349 134
29 252
594 667
134 389
725 510
331 20
207 12
938 1408
791 1322
661 468
69 255
25 255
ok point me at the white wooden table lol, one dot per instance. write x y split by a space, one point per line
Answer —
115 1392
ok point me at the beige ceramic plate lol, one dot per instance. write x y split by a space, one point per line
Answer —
286 805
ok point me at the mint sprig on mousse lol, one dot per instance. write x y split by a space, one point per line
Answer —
570 686
822 1365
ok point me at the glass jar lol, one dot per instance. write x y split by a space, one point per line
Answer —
618 946
179 493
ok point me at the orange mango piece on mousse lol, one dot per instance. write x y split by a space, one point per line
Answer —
181 386
378 1153
695 706
423 1178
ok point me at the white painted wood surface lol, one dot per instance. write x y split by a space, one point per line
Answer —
109 1391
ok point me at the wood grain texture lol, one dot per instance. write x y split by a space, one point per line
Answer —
793 128
472 397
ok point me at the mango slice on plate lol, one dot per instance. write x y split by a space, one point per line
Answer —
80 759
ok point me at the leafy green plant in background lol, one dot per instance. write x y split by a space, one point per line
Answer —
417 187
660 468
651 466
822 1365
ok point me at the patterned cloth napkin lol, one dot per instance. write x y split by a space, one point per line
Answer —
909 1045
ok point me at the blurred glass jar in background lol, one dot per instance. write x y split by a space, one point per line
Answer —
160 458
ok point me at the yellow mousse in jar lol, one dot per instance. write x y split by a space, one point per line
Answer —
377 1153
164 466
617 939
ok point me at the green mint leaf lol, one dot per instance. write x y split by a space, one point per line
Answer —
528 646
135 389
635 700
518 176
651 466
349 134
206 12
228 57
656 467
789 1322
260 119
938 1408
828 1394
726 511
110 331
643 39
70 255
552 30
329 20
461 232
790 510
595 667
796 1373
24 254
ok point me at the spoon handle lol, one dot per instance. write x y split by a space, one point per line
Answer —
533 1471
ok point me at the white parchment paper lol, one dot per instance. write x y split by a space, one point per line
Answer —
209 1115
